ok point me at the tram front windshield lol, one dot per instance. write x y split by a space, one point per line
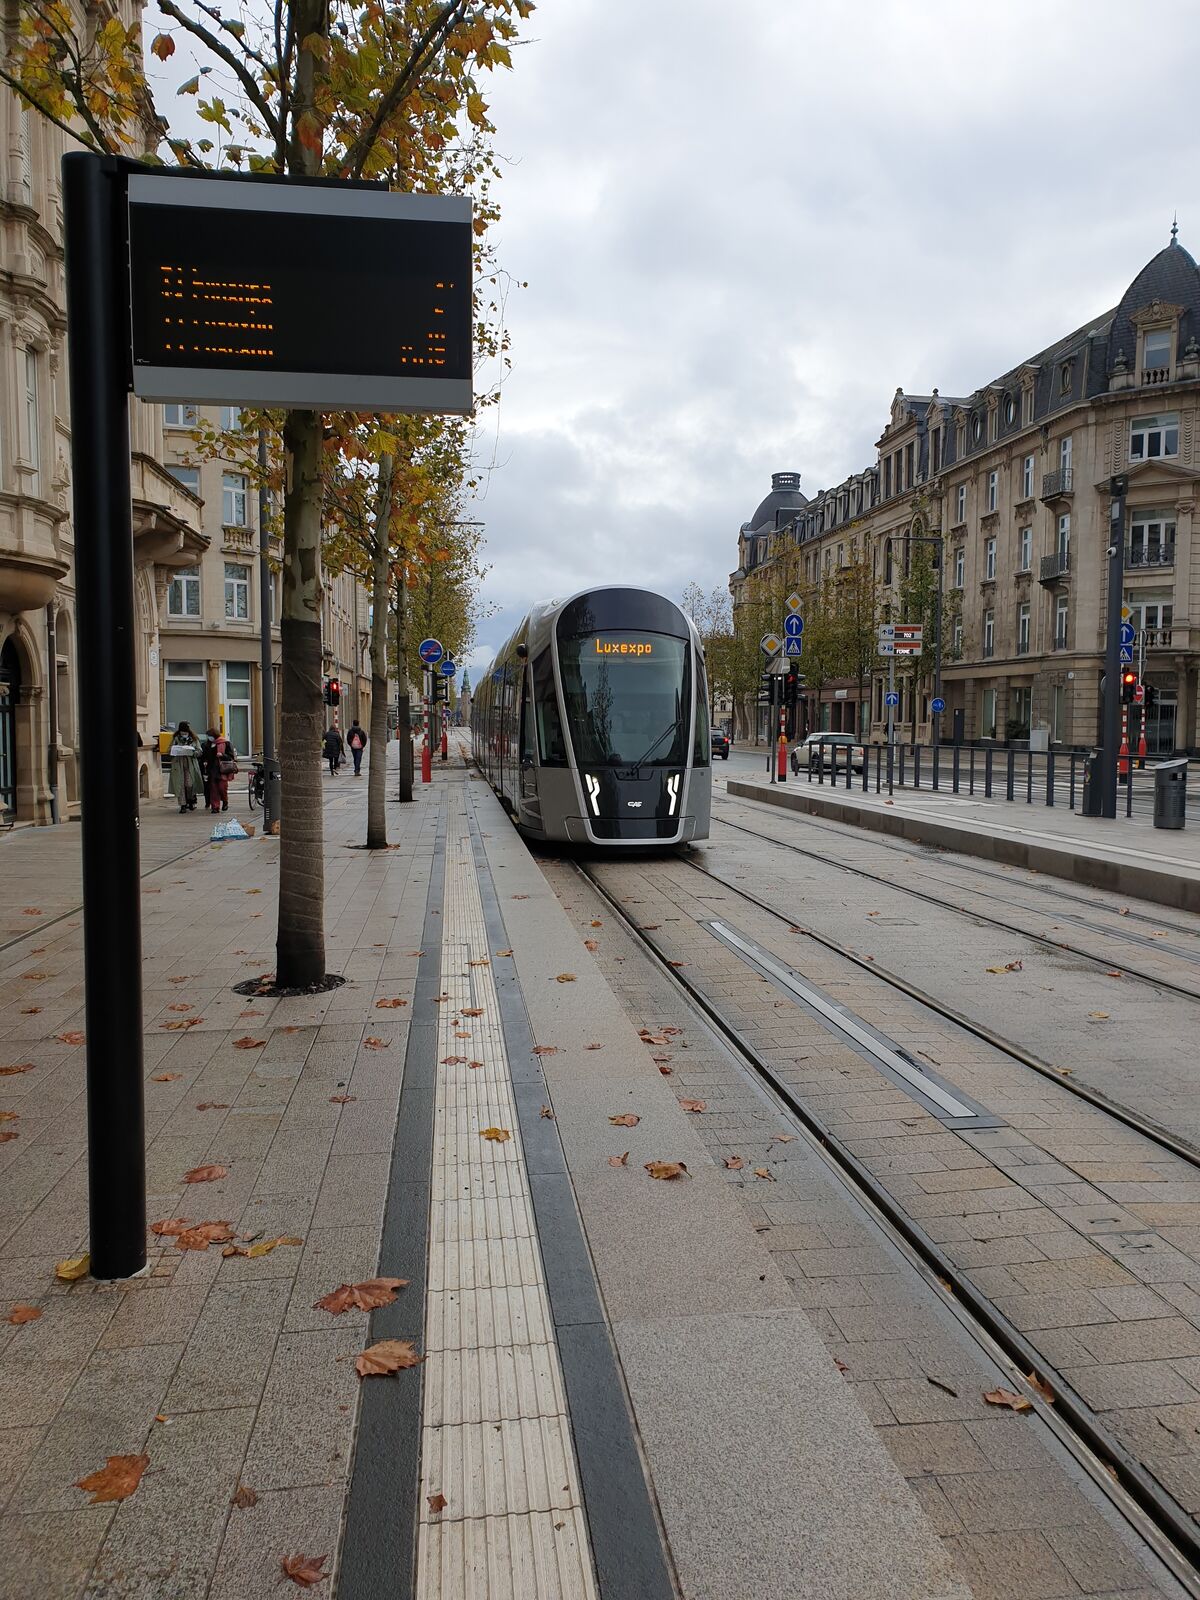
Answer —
627 698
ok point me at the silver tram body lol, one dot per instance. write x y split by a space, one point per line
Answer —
592 722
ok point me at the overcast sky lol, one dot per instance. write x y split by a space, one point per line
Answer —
744 224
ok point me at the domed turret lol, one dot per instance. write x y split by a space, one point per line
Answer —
784 499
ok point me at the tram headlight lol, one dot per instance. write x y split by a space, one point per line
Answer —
593 789
673 783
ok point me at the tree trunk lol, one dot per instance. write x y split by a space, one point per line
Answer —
300 942
377 769
405 728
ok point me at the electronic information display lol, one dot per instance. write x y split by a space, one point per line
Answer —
290 294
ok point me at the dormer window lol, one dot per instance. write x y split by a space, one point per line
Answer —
1156 355
976 428
1064 378
1010 411
1029 397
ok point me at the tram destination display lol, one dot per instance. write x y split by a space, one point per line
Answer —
334 296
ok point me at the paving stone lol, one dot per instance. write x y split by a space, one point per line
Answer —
1130 1383
936 1448
1012 1566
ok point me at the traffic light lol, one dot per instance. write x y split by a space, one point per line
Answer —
335 691
1129 680
325 693
1151 697
791 687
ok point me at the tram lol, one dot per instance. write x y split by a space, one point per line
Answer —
592 723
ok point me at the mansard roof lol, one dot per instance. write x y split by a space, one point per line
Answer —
1171 277
777 507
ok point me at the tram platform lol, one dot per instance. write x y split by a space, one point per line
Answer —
1123 855
595 1380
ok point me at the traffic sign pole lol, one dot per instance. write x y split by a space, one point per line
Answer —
1112 655
891 709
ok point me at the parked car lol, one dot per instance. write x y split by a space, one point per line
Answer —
720 744
830 750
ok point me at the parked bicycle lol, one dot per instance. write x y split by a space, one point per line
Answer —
257 787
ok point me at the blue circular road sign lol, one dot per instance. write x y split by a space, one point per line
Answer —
448 667
430 651
937 704
892 699
793 625
1127 633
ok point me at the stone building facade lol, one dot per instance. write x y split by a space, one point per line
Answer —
1015 478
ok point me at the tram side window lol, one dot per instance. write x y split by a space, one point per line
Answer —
551 745
526 723
702 746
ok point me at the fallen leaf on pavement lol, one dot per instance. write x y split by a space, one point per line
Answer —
388 1355
342 1099
244 1498
545 1049
437 1502
472 1011
619 1161
208 1174
666 1071
1065 1072
180 1026
1005 1397
547 1112
694 1105
250 1013
31 911
304 1571
677 963
262 1248
116 1481
666 1169
6 1138
170 1226
366 1296
31 1011
414 952
764 1172
627 1119
180 979
734 1163
1099 1016
1113 973
504 952
372 1043
34 977
20 1314
73 1267
783 1138
565 977
1123 912
452 1061
389 1005
519 897
481 962
70 1038
202 1235
213 1105
474 1064
650 927
1009 966
166 1077
1040 1387
593 1047
9 1116
247 1043
179 1005
496 1135
27 1066
590 944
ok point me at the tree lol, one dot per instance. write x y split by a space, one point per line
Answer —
318 88
856 601
918 603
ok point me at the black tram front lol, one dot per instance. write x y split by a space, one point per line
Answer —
592 724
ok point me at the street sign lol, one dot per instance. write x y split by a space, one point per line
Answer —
770 644
793 625
891 699
937 705
908 636
430 651
887 631
793 601
886 647
794 645
1139 694
448 667
224 271
1127 633
1127 654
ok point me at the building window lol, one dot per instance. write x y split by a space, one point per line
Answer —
33 442
887 478
179 416
189 477
937 450
989 559
233 499
1029 397
841 555
237 591
1152 539
237 704
960 503
987 717
1027 478
1153 436
1022 705
1060 623
976 428
183 595
993 492
1010 411
1064 453
989 636
1064 378
1064 536
887 561
1058 715
960 567
231 419
1156 353
910 471
956 636
186 695
1023 628
1025 557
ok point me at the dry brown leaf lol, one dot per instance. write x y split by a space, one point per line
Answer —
1113 973
386 1356
182 1025
31 1011
372 1043
547 1113
35 977
304 1571
472 1011
677 963
24 1066
545 1049
73 1037
31 911
783 1138
650 927
565 977
1098 1016
666 1169
213 1105
734 1163
6 1138
1065 1072
179 1005
459 1034
437 1502
1040 1387
496 1135
452 1061
291 1028
627 1119
202 1235
1009 966
250 1013
413 952
262 1248
179 979
247 1043
474 1064
593 1047
73 1267
481 962
207 1174
504 952
590 944
764 1172
244 1498
1005 1397
519 897
389 1005
20 1314
666 1071
619 1161
366 1296
694 1105
342 1099
9 1116
169 1226
1123 912
165 1077
116 1481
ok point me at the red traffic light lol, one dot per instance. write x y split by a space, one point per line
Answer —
1129 676
335 691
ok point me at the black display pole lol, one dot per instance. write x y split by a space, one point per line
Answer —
1111 709
98 346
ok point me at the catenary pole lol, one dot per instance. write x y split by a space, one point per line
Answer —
99 358
1111 725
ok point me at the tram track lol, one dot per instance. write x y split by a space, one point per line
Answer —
1154 1514
1047 939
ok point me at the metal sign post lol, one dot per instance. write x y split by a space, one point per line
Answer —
1111 717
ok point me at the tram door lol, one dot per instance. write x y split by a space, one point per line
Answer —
529 776
10 684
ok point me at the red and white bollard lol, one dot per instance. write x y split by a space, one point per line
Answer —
783 753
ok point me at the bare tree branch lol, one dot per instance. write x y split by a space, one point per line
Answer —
244 77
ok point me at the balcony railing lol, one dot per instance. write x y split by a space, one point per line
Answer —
1056 484
1158 638
1150 555
1151 375
1022 647
1055 566
989 650
1060 641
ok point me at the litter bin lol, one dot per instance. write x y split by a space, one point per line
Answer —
1170 793
1093 799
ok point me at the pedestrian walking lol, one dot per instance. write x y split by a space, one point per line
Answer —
187 780
222 765
356 738
331 747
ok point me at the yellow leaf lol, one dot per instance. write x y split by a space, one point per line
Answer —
73 1267
497 1135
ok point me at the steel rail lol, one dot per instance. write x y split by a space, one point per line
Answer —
1155 1514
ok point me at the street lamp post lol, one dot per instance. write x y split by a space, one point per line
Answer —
1111 724
938 542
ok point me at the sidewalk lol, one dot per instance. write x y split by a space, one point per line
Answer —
616 1395
1126 856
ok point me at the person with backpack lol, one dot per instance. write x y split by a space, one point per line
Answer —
222 765
356 738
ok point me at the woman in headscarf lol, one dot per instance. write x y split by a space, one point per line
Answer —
186 781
